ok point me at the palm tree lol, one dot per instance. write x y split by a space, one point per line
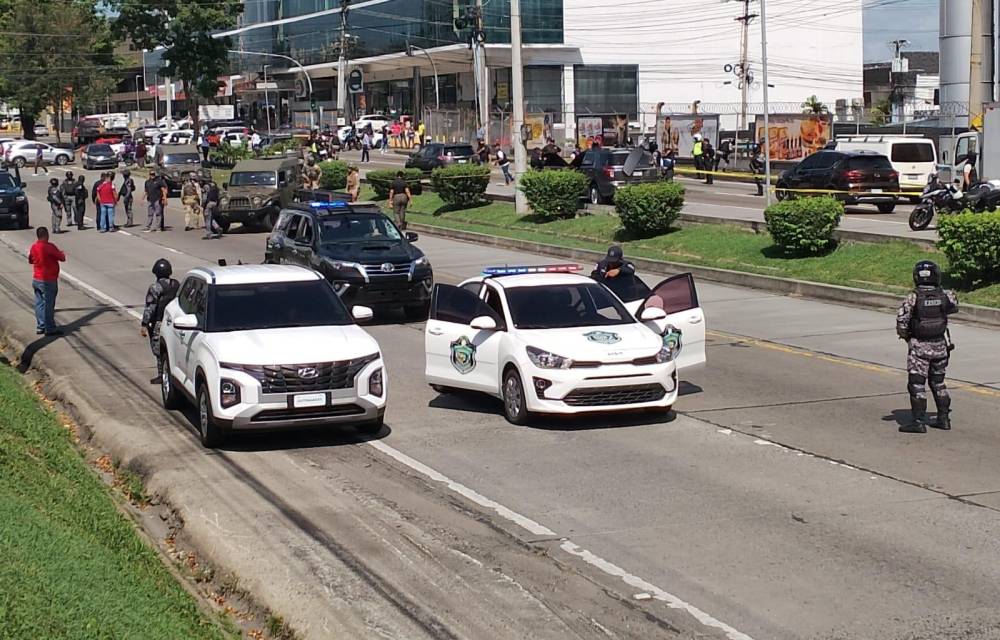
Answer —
814 106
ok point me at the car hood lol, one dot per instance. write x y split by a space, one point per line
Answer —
370 251
296 345
249 191
601 344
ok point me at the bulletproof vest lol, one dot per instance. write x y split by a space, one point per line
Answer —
169 292
930 318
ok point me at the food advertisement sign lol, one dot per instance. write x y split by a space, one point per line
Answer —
677 132
794 136
607 131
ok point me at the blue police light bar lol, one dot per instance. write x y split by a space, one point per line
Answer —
545 268
336 204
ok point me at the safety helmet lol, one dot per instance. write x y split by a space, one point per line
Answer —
697 137
162 268
69 175
926 273
54 182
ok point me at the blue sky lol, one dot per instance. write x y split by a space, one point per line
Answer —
913 20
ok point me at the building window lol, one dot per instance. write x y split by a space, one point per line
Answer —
543 91
541 21
447 87
606 89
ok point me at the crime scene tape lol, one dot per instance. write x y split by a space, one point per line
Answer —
757 176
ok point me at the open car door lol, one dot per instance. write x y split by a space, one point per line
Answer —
457 354
678 298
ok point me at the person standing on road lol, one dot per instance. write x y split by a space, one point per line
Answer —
757 167
153 193
421 133
708 159
140 153
696 151
366 145
55 198
81 201
191 199
68 188
106 199
922 320
39 160
503 162
204 146
399 196
312 174
158 296
210 203
45 258
353 182
127 195
255 141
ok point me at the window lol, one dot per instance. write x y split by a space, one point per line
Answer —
306 231
293 227
825 160
495 302
276 305
912 152
673 295
252 179
358 227
184 298
453 304
868 163
543 91
564 306
811 162
588 159
606 89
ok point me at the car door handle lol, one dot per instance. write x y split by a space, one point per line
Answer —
695 319
435 331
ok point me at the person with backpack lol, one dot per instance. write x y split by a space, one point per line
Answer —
191 199
158 296
504 163
210 202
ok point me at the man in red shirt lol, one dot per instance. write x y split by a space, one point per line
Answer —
45 257
106 199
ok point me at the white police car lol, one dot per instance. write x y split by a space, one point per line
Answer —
545 339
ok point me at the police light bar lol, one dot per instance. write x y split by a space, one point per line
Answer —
335 204
546 268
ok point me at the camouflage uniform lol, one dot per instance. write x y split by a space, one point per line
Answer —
926 360
158 296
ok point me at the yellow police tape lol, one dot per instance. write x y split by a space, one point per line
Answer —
757 176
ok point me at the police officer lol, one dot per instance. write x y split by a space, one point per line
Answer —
55 198
708 159
696 151
757 166
922 320
69 198
127 195
158 296
614 265
312 174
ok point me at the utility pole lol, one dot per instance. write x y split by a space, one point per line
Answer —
976 63
481 72
897 66
267 101
169 86
342 64
517 96
745 77
767 128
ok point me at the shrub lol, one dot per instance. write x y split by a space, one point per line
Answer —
227 155
649 209
461 185
971 241
804 225
334 177
381 180
281 146
553 193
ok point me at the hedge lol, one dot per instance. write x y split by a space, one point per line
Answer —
971 241
804 225
381 180
553 193
649 209
334 175
227 155
461 185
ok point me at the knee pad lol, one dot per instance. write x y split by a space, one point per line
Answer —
938 387
915 385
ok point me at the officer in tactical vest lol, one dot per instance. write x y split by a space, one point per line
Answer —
158 296
922 321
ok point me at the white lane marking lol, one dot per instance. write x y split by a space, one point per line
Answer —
522 521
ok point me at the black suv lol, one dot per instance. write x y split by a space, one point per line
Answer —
13 201
436 154
856 177
359 250
606 170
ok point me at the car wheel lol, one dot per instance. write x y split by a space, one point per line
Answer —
62 160
168 386
208 429
372 427
780 193
595 194
19 163
886 207
514 407
223 225
417 312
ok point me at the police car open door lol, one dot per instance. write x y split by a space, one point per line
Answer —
678 297
458 354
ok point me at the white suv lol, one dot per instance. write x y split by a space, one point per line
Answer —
263 347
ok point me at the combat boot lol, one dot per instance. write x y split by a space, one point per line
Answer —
918 413
943 419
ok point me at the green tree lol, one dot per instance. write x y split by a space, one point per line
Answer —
184 29
50 51
881 111
814 106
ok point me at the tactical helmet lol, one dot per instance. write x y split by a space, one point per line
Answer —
162 268
69 175
54 182
926 273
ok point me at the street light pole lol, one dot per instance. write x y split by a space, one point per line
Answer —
137 107
517 95
309 83
267 102
437 95
767 129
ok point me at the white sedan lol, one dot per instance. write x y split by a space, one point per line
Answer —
546 340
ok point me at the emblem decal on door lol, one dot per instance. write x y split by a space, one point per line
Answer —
603 337
463 355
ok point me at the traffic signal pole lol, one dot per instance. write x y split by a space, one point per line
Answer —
342 64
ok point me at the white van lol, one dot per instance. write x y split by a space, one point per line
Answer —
913 157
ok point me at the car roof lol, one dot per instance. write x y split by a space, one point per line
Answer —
540 280
254 274
266 164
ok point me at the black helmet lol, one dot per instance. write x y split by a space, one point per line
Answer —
69 175
926 273
126 173
54 182
162 268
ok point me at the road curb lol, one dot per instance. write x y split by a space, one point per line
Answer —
784 286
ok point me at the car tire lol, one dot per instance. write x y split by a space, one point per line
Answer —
780 193
417 312
20 162
515 408
223 225
594 194
208 429
168 386
372 427
886 207
62 160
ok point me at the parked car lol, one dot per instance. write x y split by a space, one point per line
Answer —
366 258
13 201
855 177
913 157
41 130
23 153
605 169
87 130
376 120
257 191
214 136
99 156
440 154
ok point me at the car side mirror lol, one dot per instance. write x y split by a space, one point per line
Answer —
652 313
186 321
483 323
360 314
411 236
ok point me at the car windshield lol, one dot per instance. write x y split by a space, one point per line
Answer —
627 288
99 148
463 150
912 152
253 179
275 305
7 182
870 163
182 158
563 306
357 227
618 158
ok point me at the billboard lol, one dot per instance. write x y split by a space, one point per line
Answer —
606 130
677 131
794 136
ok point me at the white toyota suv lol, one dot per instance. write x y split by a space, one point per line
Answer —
263 347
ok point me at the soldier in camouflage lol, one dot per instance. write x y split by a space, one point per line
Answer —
922 320
158 296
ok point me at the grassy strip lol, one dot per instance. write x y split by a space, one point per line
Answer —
884 267
73 566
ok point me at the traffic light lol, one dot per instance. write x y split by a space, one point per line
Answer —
312 104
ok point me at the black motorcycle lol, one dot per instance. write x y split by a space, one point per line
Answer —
937 198
984 196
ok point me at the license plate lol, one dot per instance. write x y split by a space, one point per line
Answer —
876 191
309 400
462 161
913 176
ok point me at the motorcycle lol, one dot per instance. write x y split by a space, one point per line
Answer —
937 198
984 196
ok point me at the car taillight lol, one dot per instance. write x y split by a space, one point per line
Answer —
894 175
609 172
852 176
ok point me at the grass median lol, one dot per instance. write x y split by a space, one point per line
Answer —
73 565
877 267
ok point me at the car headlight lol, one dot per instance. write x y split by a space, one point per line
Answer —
375 386
671 345
229 392
20 198
223 201
546 360
422 261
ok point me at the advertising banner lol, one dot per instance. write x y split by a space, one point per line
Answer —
607 130
677 131
794 136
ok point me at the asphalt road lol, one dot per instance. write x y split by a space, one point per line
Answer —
780 501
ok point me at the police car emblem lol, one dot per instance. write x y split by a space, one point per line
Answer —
603 337
463 355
